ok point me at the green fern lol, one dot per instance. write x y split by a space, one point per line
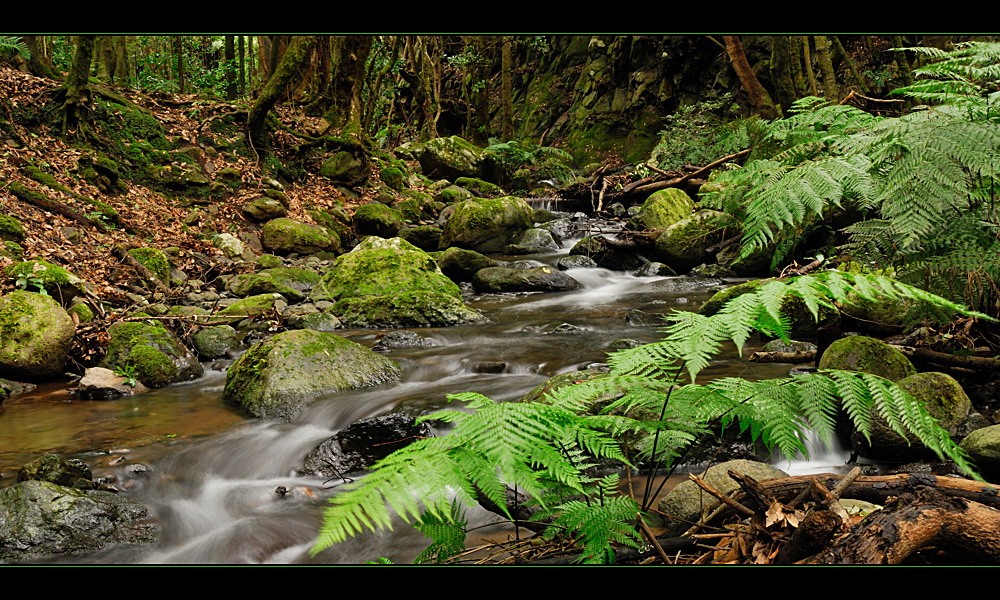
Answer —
547 449
13 43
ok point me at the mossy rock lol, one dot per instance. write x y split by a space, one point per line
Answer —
57 281
482 188
425 237
262 210
682 245
291 283
346 168
37 335
533 241
566 379
251 307
605 255
487 225
538 279
377 219
11 229
284 236
156 355
867 355
154 260
453 194
451 158
394 178
459 264
215 342
389 283
276 378
82 312
944 399
802 322
983 446
757 264
12 250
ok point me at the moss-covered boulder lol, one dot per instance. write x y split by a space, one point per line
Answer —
661 210
802 322
450 158
155 260
347 168
39 274
487 225
248 309
215 342
377 219
391 283
868 355
394 178
538 279
425 237
294 284
275 378
284 236
262 210
36 336
459 264
606 255
151 353
453 194
479 187
682 245
532 241
11 229
983 446
944 399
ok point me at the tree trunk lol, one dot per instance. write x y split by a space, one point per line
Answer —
807 62
758 95
230 62
480 95
243 65
374 93
795 66
77 84
862 86
178 46
506 92
825 61
36 65
347 83
298 52
781 71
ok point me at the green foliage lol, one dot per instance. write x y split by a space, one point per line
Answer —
926 182
700 133
12 44
447 533
547 449
127 371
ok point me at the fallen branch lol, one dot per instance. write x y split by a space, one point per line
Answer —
977 363
122 254
795 358
662 185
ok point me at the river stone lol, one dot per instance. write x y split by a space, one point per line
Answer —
155 354
391 283
867 355
983 446
215 342
459 264
655 269
486 225
451 158
533 241
58 470
607 256
661 210
392 340
36 336
40 519
575 262
537 279
362 444
682 245
377 219
284 235
99 383
944 399
275 378
682 507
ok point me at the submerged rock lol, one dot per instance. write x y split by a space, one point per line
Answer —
275 378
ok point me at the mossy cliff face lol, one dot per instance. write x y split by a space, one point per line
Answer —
277 377
487 225
35 336
156 355
391 283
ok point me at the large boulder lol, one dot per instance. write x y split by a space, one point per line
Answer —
36 336
944 399
537 279
533 241
377 219
284 236
661 210
149 352
682 245
362 444
459 264
40 519
450 158
275 378
391 283
801 320
867 355
347 168
487 225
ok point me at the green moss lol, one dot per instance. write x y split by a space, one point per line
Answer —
57 281
394 178
484 188
152 367
11 229
45 179
154 260
82 311
867 355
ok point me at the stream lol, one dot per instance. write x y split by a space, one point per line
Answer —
210 475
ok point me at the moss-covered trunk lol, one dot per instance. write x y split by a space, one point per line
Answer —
295 57
347 82
825 61
781 71
77 84
758 95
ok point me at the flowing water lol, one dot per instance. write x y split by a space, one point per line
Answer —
212 475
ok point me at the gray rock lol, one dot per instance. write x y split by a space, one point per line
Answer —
537 279
362 444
